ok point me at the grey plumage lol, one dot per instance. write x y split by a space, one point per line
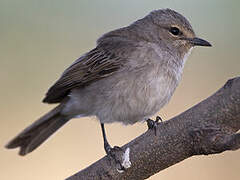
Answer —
129 76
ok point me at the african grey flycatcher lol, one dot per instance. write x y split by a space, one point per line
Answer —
129 76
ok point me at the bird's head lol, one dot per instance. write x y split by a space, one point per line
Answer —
170 28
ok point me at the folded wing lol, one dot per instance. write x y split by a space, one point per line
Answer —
99 63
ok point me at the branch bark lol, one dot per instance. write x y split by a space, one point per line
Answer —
209 127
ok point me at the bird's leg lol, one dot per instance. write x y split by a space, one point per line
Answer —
107 146
108 149
153 124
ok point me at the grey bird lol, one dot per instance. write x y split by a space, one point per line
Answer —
128 77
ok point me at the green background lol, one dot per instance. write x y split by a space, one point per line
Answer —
39 39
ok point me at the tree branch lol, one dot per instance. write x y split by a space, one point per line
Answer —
207 128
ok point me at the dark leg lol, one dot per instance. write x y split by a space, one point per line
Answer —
109 150
107 146
153 124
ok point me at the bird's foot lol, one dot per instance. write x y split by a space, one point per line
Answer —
153 124
112 152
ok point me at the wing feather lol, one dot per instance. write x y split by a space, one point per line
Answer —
96 64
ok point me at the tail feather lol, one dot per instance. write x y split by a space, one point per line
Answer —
34 135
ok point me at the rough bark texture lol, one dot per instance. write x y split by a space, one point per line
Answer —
207 128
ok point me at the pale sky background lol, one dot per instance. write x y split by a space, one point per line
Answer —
39 39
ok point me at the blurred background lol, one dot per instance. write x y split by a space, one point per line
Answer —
39 39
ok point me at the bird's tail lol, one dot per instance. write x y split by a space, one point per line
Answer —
34 135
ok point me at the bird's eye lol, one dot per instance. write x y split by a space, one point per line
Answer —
175 31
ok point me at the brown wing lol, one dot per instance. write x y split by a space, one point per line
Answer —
95 65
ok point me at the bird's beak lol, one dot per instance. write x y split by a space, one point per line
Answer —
198 42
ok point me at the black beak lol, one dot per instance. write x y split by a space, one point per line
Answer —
199 42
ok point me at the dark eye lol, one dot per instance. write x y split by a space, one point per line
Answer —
175 31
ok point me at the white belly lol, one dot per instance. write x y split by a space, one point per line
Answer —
134 98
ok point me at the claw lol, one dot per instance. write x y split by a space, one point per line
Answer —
111 152
158 118
153 124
